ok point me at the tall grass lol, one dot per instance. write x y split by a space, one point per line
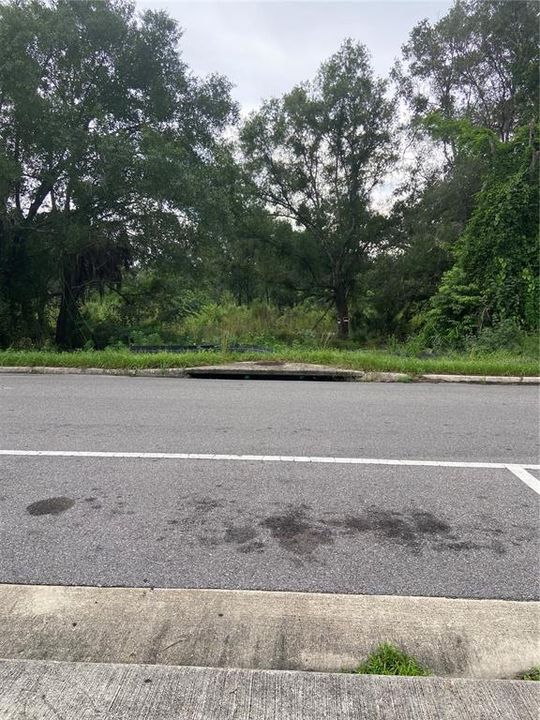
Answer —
227 323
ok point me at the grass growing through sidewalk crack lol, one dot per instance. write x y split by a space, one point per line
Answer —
532 674
389 660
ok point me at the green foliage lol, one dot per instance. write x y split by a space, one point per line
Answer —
106 139
505 338
126 216
470 80
197 321
389 660
228 323
507 334
495 278
533 674
315 156
479 61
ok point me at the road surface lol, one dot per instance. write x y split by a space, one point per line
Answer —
275 521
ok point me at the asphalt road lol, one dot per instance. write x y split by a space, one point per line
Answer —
397 420
457 532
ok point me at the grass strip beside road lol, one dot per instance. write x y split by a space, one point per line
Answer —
500 363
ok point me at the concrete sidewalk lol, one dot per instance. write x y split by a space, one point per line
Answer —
35 690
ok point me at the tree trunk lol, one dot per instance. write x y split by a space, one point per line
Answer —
68 335
342 312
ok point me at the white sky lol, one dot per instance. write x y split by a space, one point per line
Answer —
265 47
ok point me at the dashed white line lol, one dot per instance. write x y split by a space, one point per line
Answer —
520 472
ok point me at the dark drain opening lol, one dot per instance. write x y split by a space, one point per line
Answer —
268 376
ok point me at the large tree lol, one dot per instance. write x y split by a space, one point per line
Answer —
104 141
480 62
470 82
316 154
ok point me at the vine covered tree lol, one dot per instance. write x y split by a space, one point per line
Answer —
495 276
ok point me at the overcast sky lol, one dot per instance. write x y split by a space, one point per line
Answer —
266 47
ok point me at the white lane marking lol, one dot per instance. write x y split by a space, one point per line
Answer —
520 472
262 458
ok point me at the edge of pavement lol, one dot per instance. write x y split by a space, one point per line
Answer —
265 630
94 691
291 371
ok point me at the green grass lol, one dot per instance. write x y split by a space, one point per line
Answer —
389 660
499 363
533 674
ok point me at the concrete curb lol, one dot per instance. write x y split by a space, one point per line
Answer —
265 630
72 691
483 379
122 372
281 372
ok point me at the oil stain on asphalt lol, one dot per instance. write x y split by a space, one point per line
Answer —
50 506
295 529
407 528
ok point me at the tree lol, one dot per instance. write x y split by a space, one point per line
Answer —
480 62
316 155
104 138
495 276
470 81
243 248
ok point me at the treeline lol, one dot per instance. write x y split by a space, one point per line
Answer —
137 206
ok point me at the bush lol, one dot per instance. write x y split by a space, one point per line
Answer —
227 323
506 335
